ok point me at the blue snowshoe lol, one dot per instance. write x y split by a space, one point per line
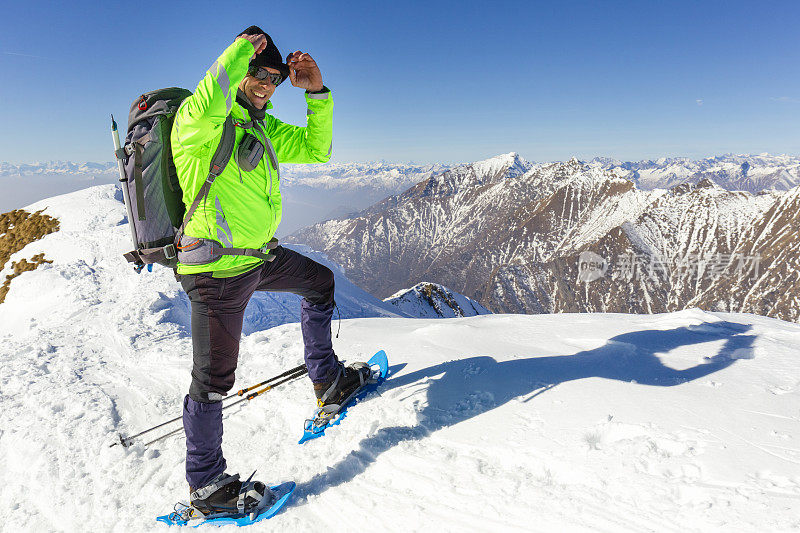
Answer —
229 500
352 383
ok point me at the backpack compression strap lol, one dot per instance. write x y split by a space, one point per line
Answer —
138 149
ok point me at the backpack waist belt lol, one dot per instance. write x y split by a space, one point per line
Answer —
197 251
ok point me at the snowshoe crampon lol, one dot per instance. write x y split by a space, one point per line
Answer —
332 414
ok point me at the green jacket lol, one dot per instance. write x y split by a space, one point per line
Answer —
243 209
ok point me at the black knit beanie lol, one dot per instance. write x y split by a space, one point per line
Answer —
270 56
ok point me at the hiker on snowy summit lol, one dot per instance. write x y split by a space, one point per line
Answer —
239 215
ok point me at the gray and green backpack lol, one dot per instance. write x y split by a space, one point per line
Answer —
153 196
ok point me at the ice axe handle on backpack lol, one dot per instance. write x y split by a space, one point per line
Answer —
120 154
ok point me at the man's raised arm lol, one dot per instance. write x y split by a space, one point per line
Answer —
201 116
312 143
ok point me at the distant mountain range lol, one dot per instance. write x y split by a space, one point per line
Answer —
57 167
576 237
515 235
752 173
386 178
311 193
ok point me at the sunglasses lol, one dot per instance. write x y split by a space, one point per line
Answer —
260 73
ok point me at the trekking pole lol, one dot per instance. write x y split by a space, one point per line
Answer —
294 372
301 372
248 389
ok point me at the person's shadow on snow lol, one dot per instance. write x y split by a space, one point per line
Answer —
462 389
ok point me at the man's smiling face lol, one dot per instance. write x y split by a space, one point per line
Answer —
258 91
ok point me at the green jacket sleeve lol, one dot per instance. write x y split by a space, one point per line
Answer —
309 144
200 117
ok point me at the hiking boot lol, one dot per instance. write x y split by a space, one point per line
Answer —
347 382
225 495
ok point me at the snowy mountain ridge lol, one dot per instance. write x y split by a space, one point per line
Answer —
431 300
515 242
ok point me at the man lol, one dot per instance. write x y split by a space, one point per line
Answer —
240 213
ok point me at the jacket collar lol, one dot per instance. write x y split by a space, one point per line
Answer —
253 112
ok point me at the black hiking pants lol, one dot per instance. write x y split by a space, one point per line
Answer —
218 306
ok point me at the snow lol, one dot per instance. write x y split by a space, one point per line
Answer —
510 164
687 421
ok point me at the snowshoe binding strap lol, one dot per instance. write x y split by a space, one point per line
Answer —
204 492
324 415
259 494
327 412
327 394
243 493
365 377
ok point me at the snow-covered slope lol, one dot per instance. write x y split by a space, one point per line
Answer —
269 309
431 300
677 422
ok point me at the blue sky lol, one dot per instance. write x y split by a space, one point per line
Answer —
428 81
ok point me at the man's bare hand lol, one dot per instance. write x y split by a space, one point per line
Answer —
259 42
304 72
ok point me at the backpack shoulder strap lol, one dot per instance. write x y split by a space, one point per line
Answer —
218 163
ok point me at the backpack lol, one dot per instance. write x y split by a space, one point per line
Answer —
150 187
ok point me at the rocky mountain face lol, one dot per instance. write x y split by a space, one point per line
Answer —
572 237
431 300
